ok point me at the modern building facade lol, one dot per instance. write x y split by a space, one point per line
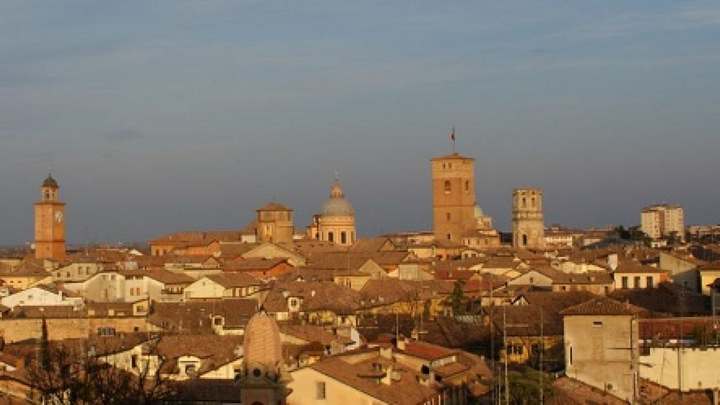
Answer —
663 220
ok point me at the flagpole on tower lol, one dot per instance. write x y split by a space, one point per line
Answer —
452 138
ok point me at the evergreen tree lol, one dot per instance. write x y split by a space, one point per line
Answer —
457 298
44 349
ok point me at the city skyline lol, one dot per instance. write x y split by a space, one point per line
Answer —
193 115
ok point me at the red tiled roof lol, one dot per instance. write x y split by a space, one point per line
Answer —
603 306
427 351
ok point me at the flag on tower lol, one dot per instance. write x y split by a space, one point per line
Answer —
451 135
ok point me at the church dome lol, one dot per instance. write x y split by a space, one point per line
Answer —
49 182
337 205
261 345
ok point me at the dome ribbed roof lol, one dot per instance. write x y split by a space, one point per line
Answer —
261 344
337 205
50 182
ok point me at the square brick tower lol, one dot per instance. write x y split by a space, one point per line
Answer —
528 222
453 188
50 222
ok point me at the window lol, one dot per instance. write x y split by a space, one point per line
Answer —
571 355
447 187
597 324
331 237
105 331
319 390
532 201
467 186
190 369
636 282
624 282
448 216
343 237
524 240
133 361
524 202
449 236
649 282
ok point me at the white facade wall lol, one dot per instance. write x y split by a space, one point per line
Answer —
682 369
35 296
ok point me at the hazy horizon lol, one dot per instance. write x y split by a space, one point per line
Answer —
187 115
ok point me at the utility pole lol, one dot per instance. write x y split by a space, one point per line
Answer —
397 328
507 385
542 350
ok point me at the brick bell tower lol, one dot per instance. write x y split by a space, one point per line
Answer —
50 222
528 223
453 189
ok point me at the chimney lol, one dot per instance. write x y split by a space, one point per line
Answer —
401 341
387 379
386 352
612 261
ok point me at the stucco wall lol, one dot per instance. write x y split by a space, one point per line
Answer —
14 330
686 369
602 355
304 387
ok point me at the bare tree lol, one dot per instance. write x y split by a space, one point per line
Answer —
76 374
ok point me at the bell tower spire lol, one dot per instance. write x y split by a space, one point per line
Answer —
50 222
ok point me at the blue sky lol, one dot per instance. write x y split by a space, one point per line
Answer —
171 115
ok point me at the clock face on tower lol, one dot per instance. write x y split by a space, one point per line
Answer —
58 217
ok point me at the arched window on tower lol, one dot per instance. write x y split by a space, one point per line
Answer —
47 195
331 237
532 201
447 186
343 237
467 186
524 240
524 202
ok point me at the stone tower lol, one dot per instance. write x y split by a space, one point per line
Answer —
453 188
527 218
275 223
50 222
336 223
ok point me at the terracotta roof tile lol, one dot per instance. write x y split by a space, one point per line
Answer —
603 306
